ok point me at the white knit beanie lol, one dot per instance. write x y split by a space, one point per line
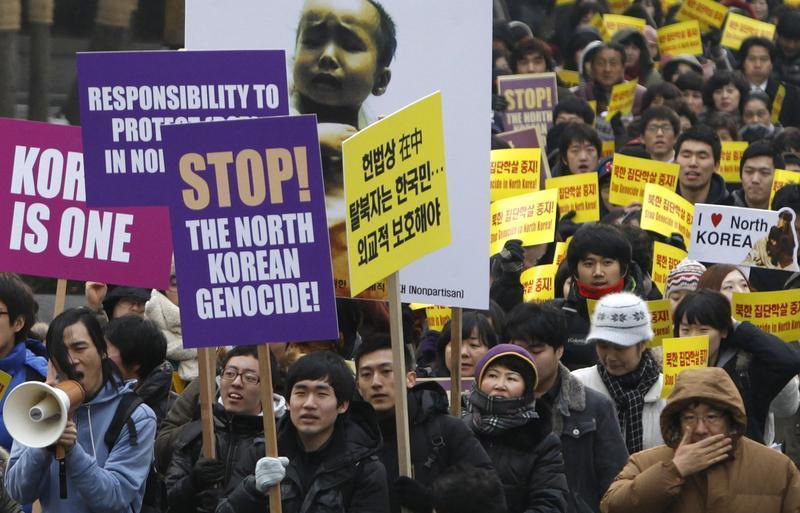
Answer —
622 319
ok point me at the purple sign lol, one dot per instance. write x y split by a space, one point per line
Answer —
531 100
49 231
128 98
252 256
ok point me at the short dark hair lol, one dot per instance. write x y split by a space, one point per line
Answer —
724 121
537 323
601 239
787 196
468 489
761 148
756 95
609 46
528 45
706 307
326 366
666 90
18 298
661 112
703 134
752 41
578 132
388 36
788 140
139 341
469 321
721 78
574 105
239 351
690 81
378 341
57 349
683 110
789 24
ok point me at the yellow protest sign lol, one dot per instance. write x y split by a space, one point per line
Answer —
666 212
597 22
561 252
777 103
730 158
607 149
782 177
681 354
401 214
665 258
680 38
738 28
437 316
705 11
579 193
538 283
515 171
660 320
622 98
529 217
568 77
630 174
774 312
612 23
618 6
5 381
418 306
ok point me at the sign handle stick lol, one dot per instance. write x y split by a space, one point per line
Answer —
456 320
268 409
206 358
61 296
398 356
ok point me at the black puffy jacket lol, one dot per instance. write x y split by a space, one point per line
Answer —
530 465
348 479
438 440
239 443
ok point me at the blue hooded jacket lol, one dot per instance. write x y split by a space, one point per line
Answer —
96 480
15 364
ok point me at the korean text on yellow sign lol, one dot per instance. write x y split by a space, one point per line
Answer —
529 217
681 354
538 283
730 158
612 23
708 12
561 251
665 258
579 193
437 316
631 174
406 204
607 149
782 177
666 212
623 96
514 171
738 28
661 321
680 38
774 312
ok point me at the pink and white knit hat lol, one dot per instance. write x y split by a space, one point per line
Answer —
685 276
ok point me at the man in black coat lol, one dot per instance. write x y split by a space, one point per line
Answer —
591 442
328 448
756 58
438 441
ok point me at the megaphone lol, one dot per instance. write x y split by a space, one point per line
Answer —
35 414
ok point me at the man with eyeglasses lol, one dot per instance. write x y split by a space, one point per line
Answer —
757 171
196 483
707 464
660 127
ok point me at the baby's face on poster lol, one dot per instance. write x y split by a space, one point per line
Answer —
336 59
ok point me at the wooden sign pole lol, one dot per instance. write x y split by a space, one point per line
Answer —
61 297
268 415
206 358
399 365
455 361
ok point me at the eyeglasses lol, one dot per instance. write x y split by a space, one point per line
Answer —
654 129
231 373
709 419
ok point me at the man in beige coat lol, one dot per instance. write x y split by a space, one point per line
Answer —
706 464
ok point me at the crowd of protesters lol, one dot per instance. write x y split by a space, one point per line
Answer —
564 411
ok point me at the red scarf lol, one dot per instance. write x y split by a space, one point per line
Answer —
590 292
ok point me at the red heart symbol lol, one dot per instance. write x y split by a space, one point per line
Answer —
715 219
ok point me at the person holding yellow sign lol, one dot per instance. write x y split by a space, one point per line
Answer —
608 70
761 365
698 152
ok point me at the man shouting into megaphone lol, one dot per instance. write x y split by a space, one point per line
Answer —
97 473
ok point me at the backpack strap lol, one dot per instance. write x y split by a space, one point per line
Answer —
434 431
123 416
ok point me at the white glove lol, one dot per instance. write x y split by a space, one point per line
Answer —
269 472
